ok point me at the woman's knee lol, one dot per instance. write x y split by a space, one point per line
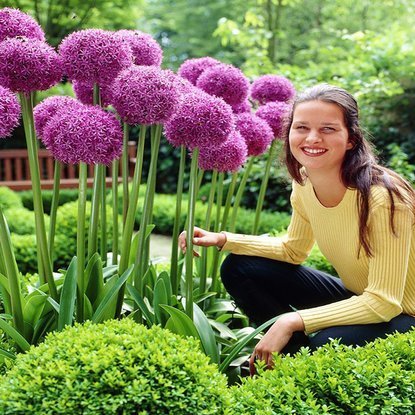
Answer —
232 268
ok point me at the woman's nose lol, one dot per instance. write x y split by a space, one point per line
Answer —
313 136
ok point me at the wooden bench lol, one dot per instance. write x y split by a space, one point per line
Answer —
15 172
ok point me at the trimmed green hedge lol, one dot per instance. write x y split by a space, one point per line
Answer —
336 380
9 199
118 367
25 252
22 221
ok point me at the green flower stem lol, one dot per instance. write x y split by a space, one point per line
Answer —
12 274
93 222
130 217
141 265
103 215
204 250
115 232
228 201
45 264
240 192
199 180
80 242
54 206
176 225
125 172
190 233
263 188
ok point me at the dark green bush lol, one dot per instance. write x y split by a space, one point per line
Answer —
118 367
9 199
25 252
376 379
22 221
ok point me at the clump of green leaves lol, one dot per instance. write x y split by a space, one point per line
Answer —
376 379
9 199
118 367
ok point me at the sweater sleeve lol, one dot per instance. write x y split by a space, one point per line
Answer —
388 267
294 247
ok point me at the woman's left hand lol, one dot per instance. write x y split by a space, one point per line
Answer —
276 338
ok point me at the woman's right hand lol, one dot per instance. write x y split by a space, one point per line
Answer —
202 238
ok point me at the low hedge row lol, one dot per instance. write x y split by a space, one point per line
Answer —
120 367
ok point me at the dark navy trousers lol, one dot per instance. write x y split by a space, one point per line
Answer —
264 288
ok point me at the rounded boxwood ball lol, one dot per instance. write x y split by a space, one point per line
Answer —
117 367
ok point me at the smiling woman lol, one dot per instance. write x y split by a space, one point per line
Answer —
359 213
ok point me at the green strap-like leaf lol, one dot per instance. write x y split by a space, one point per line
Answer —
68 296
141 304
94 278
180 323
7 354
14 335
160 297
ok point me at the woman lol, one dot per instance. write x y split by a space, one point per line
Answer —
362 217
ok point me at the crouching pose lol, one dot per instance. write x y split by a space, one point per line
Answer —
359 213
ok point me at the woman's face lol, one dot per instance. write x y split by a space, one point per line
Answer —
319 137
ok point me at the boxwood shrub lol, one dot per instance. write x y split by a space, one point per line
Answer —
376 379
9 199
24 247
22 221
118 367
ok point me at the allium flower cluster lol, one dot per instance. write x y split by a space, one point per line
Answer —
28 65
257 133
84 134
146 51
275 114
182 85
200 121
228 157
94 56
85 93
9 112
47 109
225 81
271 88
191 69
144 95
15 23
243 107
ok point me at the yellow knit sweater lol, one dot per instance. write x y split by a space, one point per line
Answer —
384 284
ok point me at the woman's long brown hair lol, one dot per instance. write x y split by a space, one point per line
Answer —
360 169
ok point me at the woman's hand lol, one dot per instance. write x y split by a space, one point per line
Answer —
276 339
202 238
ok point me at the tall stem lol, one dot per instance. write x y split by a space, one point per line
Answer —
125 171
131 211
115 167
45 264
80 242
103 215
190 232
228 201
176 225
263 188
239 193
93 222
54 207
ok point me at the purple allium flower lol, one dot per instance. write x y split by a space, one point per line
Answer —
85 93
229 156
274 113
243 107
94 56
257 133
200 121
28 65
191 69
183 86
144 95
271 88
84 133
46 110
9 112
225 81
15 23
146 51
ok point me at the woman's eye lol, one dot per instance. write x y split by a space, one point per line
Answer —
328 129
301 127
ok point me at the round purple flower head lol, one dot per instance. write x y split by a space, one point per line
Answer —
225 81
94 56
84 133
183 86
274 113
9 112
15 23
229 156
144 95
191 69
28 65
271 88
85 93
146 51
46 110
243 107
200 121
257 133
